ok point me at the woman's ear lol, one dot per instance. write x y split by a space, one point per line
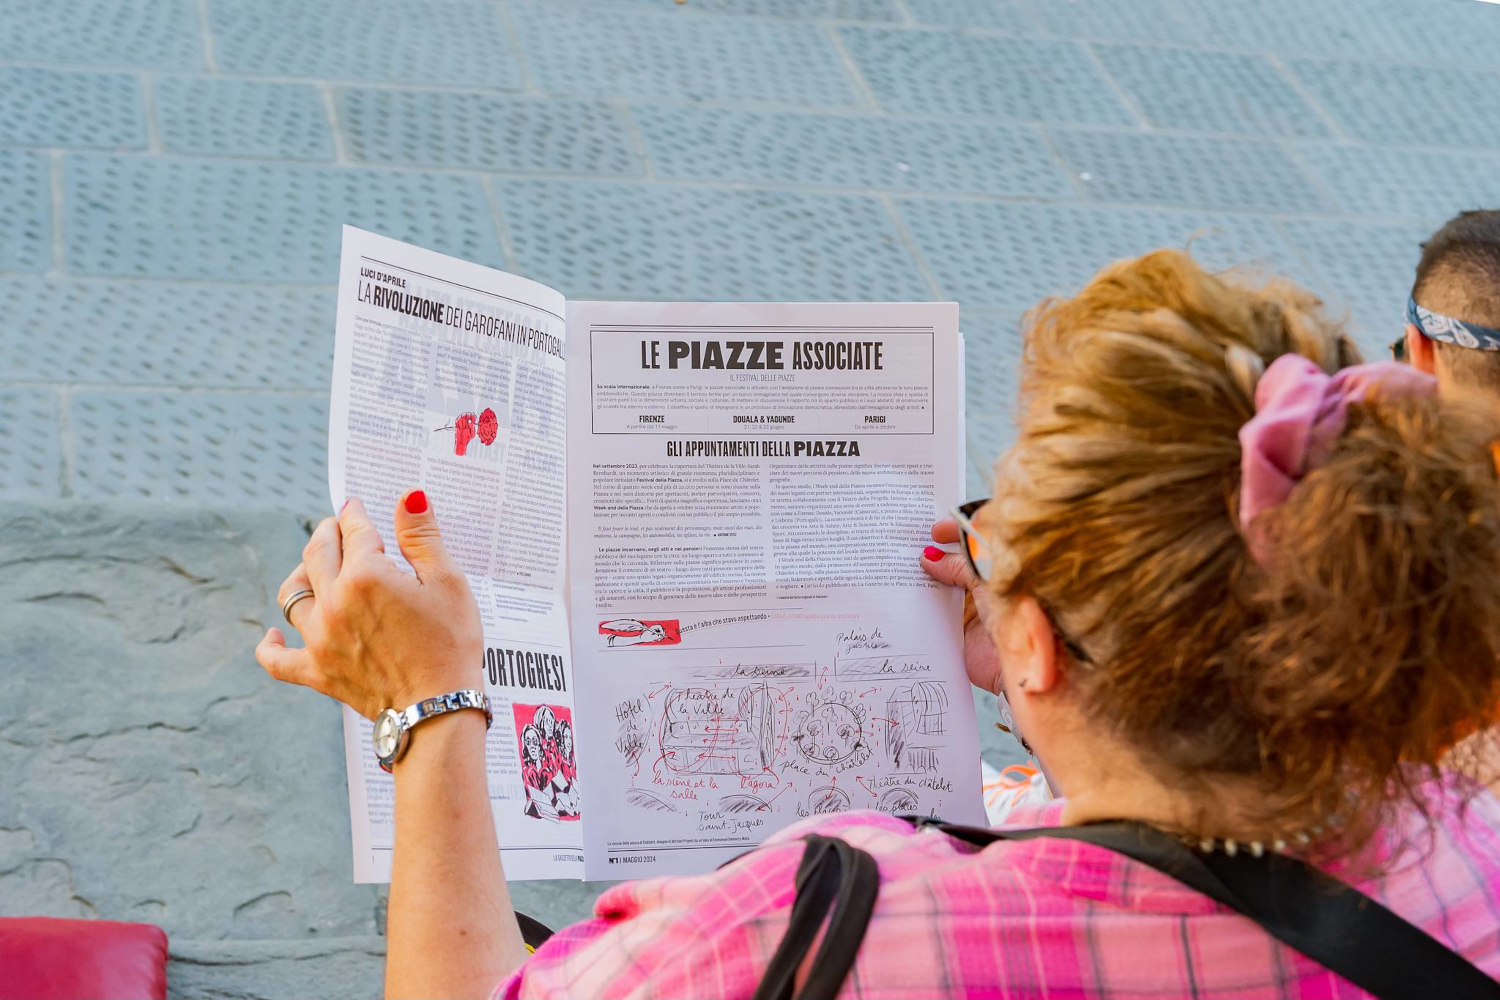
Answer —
1028 647
1420 352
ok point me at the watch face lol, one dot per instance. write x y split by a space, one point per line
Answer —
387 734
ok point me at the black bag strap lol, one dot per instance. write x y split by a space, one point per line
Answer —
837 874
534 933
1332 923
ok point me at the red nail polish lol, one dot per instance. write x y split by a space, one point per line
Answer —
416 502
932 553
346 504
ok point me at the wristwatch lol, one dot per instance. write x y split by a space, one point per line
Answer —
392 733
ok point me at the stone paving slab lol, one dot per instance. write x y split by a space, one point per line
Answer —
633 241
483 131
1197 90
26 241
214 116
796 10
255 221
999 15
1237 174
1445 31
1442 105
1110 20
243 449
598 51
992 355
166 333
31 443
1136 21
453 42
156 34
47 107
1027 79
1427 184
988 438
1455 33
1342 28
850 151
1005 256
992 378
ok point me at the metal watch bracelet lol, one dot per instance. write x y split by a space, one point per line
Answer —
392 731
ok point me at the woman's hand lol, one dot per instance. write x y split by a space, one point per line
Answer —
953 569
378 638
375 636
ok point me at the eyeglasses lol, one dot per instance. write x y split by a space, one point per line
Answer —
982 561
1398 348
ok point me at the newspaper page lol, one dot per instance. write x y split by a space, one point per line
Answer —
752 485
451 376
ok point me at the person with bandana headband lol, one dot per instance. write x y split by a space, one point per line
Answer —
1453 313
1453 332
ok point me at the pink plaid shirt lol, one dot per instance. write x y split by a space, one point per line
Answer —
1037 918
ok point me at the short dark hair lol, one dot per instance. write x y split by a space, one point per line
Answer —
1459 276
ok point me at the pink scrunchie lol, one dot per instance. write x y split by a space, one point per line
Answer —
1299 414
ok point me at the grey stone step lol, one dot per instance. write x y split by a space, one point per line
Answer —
352 967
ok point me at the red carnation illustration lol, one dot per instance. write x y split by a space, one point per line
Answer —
466 427
489 426
463 433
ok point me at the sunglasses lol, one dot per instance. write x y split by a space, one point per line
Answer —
1398 348
982 561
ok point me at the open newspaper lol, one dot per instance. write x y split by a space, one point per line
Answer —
692 530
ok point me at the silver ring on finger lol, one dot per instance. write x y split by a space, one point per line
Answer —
291 602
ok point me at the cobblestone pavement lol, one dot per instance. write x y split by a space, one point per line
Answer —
173 174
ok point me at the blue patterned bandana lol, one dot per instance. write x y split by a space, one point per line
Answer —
1450 330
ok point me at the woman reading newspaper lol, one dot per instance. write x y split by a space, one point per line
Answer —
1239 592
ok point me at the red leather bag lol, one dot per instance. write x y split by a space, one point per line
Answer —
43 958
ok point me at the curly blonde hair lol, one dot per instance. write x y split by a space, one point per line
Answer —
1370 645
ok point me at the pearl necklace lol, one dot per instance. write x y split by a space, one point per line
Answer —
1257 848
